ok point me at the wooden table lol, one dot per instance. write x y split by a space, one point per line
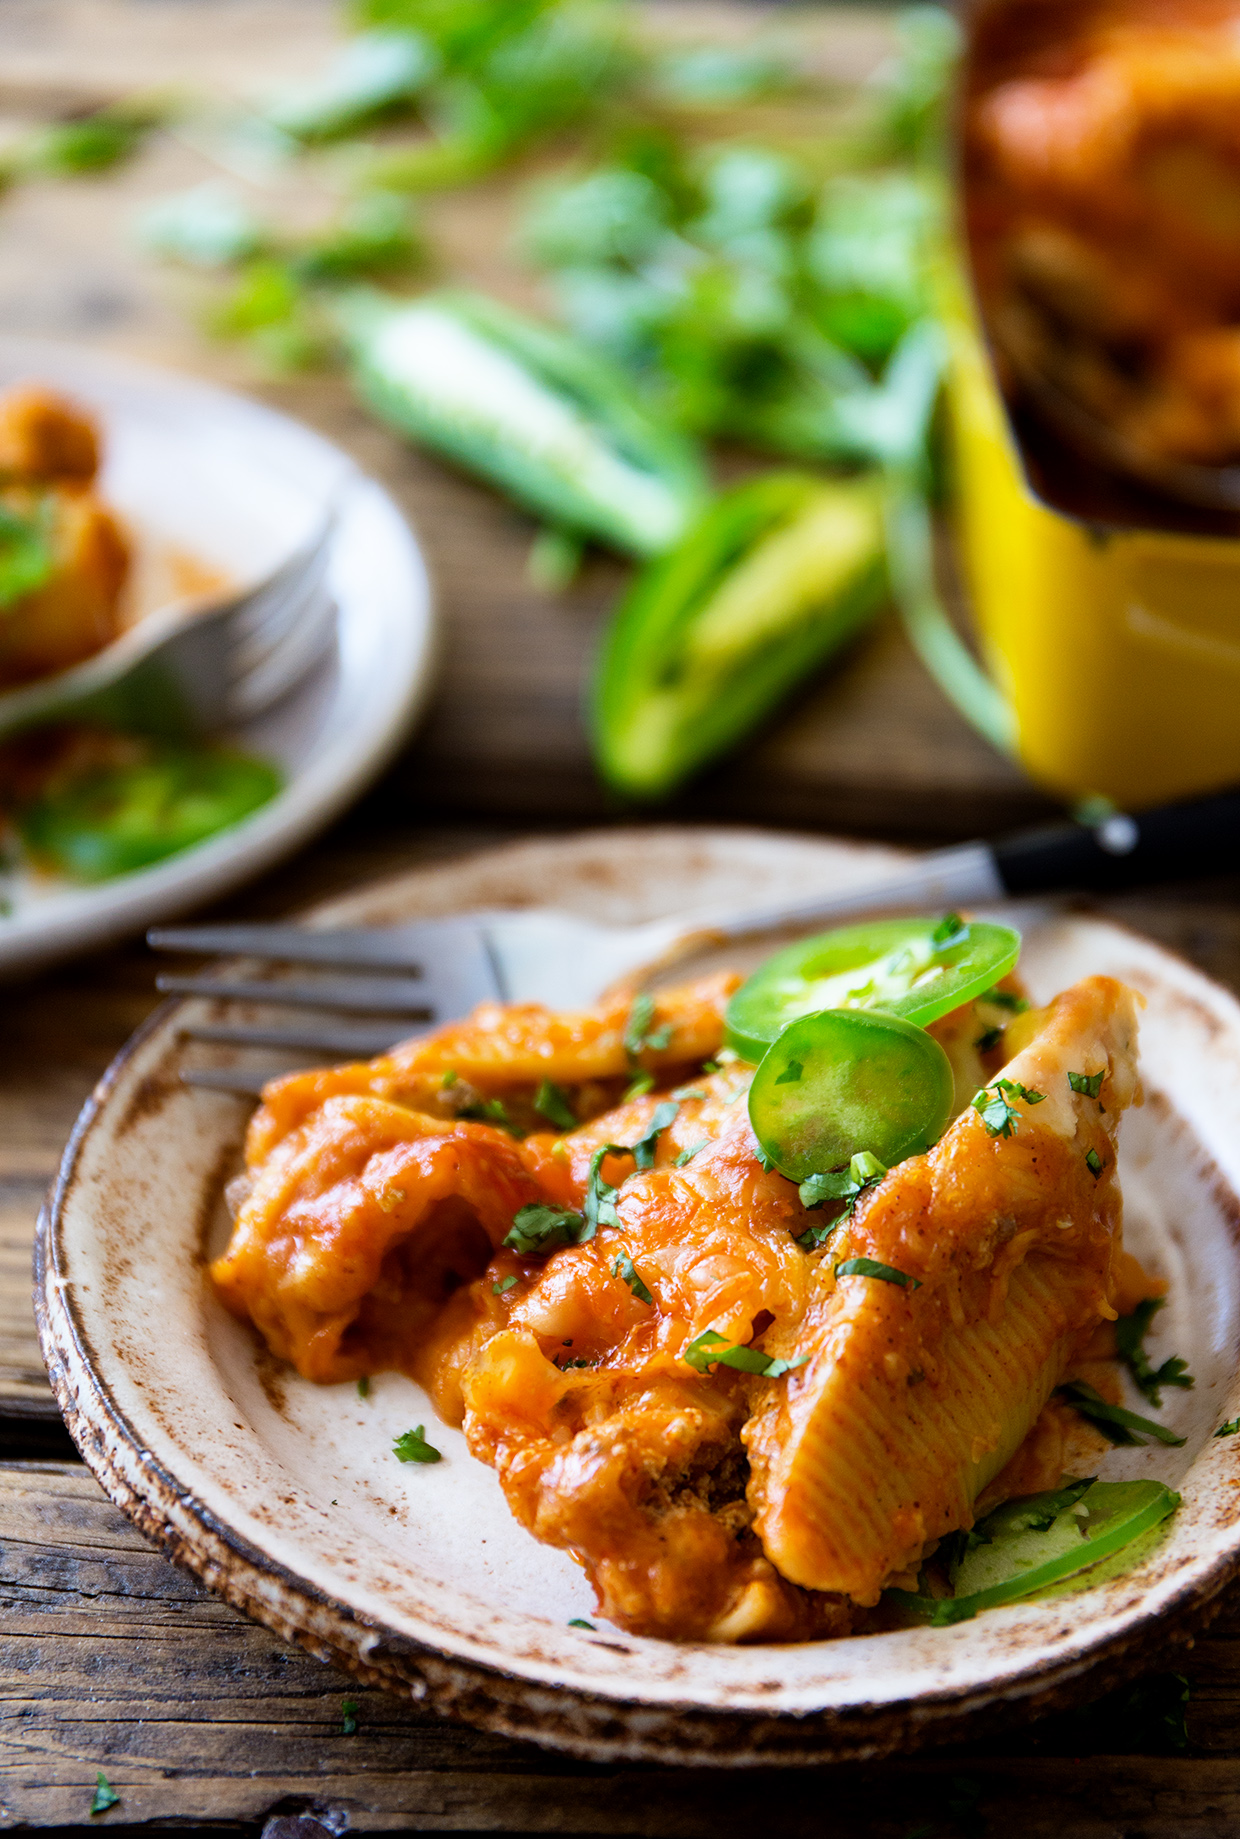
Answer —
110 1658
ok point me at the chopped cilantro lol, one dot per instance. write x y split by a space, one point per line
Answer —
623 1266
791 1074
872 1267
599 1206
580 1622
1005 999
1115 1422
503 1286
990 1039
1089 1084
992 1106
1230 1429
660 1118
349 1709
844 1184
643 1083
1094 1163
551 1102
638 1035
105 1794
683 1092
1130 1333
710 1066
763 1160
492 1111
539 1228
951 930
710 1349
451 1077
411 1446
687 1155
363 1387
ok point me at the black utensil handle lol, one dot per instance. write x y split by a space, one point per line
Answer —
1172 843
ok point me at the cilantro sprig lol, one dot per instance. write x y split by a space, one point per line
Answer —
538 1228
710 1349
551 1102
1087 1084
105 1794
622 1266
411 1446
660 1118
993 1105
639 1037
1130 1333
1119 1425
873 1267
848 1185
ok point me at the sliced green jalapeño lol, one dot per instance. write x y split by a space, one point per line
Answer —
914 968
847 1080
1029 1544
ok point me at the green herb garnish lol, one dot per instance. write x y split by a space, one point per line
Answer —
687 1155
1114 1421
1230 1429
637 1032
349 1709
991 1038
363 1387
599 1205
623 1267
660 1118
551 1102
871 1267
791 1074
491 1111
105 1795
710 1349
992 1106
1005 999
1094 1163
411 1446
503 1286
1130 1333
538 1228
580 1622
951 930
1088 1084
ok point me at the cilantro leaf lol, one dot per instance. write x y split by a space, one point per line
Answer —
363 1387
992 1105
791 1074
599 1206
872 1267
710 1349
991 1038
551 1102
640 1086
105 1794
349 1709
1230 1429
1094 1163
538 1228
864 1171
951 930
1116 1423
638 1035
503 1286
580 1622
660 1118
623 1266
1005 999
491 1111
1089 1084
687 1155
411 1446
1130 1333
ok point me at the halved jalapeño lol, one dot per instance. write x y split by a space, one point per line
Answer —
847 1080
914 968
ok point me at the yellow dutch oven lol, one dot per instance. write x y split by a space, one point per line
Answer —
1117 651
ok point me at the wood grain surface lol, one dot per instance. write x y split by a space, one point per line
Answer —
109 1658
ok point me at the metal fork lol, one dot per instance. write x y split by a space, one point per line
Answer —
215 664
435 970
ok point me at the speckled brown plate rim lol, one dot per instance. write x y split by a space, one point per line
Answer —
594 1726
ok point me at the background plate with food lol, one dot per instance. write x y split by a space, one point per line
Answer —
208 494
289 1497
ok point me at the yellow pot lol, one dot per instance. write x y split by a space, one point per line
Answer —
1118 651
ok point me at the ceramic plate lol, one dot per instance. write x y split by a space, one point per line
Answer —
240 487
285 1497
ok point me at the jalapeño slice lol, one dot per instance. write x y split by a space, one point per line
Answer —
847 1080
915 968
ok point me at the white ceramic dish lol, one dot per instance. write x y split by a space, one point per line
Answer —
240 486
285 1496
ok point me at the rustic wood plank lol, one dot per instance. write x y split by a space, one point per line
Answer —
111 1659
